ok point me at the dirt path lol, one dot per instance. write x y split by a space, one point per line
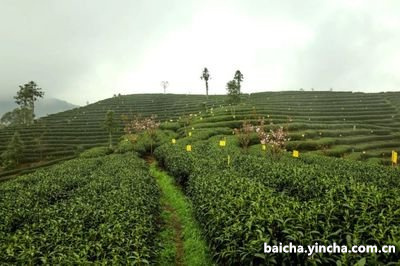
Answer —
149 159
181 240
175 224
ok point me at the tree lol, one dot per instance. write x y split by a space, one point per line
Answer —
15 117
13 155
276 139
233 91
110 125
244 134
26 97
239 78
205 76
165 84
148 125
187 120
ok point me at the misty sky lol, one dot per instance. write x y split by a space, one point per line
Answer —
80 51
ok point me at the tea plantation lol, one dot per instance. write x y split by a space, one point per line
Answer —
68 133
360 126
312 199
85 210
212 204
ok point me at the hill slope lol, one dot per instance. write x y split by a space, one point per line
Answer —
65 133
342 124
355 125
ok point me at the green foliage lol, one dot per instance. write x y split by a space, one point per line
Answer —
146 143
13 155
125 145
233 90
205 76
79 149
170 126
96 152
333 114
14 118
110 125
244 134
101 210
302 200
251 201
25 98
195 251
39 139
238 78
145 127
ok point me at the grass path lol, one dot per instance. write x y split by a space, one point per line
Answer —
180 239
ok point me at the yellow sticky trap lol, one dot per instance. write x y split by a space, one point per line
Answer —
229 159
394 157
190 134
173 141
295 153
188 147
264 147
222 143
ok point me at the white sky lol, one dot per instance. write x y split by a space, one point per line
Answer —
88 50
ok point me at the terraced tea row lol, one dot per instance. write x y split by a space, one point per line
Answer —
67 133
311 117
329 123
83 211
249 200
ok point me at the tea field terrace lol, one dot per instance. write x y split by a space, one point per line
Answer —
67 133
359 126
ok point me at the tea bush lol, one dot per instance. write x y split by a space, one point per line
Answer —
96 152
256 199
101 210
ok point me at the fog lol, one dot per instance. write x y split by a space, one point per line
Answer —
82 51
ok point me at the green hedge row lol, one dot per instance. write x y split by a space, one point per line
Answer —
258 199
102 210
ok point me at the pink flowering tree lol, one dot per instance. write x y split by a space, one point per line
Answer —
276 139
147 125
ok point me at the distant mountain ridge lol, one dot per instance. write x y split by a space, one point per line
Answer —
43 107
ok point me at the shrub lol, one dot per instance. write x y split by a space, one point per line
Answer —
125 146
276 139
300 200
98 211
244 134
96 152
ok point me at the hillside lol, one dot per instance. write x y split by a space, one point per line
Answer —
360 126
65 133
194 201
343 124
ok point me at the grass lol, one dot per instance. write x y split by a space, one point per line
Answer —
181 231
166 238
